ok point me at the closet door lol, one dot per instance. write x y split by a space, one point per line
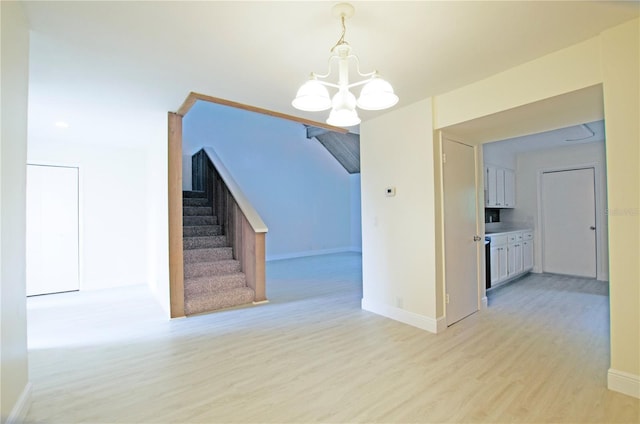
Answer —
569 222
52 229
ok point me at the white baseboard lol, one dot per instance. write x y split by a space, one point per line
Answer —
485 302
21 408
306 253
623 382
432 325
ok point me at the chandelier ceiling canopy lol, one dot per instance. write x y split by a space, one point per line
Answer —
313 95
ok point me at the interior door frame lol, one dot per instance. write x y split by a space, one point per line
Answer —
76 166
601 224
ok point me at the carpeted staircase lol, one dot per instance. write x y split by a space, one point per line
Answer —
212 278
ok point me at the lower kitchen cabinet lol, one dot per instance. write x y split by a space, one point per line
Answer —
527 255
511 255
514 258
499 270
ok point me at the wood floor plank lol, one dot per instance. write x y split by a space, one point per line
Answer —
539 353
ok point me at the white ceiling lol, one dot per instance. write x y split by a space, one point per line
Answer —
562 137
112 70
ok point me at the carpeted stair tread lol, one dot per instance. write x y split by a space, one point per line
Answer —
207 255
203 242
192 194
213 280
197 211
201 269
213 283
189 221
195 201
219 300
201 230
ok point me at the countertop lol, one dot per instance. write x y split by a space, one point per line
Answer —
505 231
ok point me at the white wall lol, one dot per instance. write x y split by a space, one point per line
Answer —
495 154
157 215
398 233
301 192
14 386
620 51
531 164
356 212
113 209
610 61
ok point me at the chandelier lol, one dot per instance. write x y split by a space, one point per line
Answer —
313 96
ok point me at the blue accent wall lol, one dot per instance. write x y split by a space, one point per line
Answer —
307 199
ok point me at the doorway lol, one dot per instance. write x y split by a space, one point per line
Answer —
52 257
568 215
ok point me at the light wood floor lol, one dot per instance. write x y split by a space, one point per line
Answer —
538 354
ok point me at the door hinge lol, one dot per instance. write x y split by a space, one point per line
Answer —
447 298
444 158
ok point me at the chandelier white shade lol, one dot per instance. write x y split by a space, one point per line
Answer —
313 95
343 109
377 94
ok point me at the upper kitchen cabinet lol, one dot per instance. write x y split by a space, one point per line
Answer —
499 187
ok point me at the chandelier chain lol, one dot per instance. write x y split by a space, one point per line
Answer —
341 39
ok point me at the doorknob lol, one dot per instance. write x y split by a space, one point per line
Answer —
592 228
477 238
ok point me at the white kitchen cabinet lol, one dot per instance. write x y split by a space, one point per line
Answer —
499 185
511 255
509 189
514 258
490 186
527 252
499 262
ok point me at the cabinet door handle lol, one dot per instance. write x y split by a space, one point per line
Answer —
592 228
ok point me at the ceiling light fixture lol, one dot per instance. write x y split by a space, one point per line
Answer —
313 96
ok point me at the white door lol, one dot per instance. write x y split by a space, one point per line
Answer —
461 250
52 229
569 222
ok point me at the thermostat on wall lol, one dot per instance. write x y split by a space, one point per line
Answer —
390 191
